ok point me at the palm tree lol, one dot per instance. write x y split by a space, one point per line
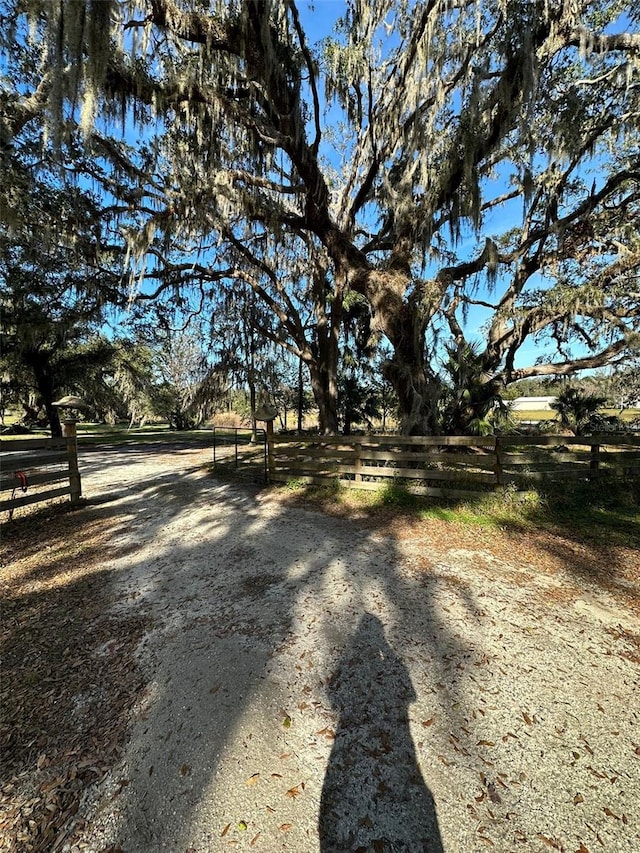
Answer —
470 398
577 409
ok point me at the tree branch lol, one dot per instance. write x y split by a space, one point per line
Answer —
566 368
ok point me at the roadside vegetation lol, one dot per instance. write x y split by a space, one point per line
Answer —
607 508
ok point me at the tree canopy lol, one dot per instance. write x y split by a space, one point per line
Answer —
57 280
448 161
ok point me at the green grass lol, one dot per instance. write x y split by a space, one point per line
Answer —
601 512
626 416
150 433
91 433
533 415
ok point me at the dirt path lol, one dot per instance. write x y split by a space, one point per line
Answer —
317 685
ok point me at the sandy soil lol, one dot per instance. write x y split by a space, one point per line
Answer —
314 683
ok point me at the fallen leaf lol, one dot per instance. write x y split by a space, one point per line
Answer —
254 839
550 841
587 745
327 732
526 718
429 722
50 786
225 830
242 826
287 722
285 827
185 770
609 813
253 780
294 792
486 743
582 849
596 773
578 799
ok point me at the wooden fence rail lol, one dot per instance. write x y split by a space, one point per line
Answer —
31 470
455 466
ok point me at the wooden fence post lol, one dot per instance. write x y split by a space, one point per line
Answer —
358 461
69 433
594 464
497 470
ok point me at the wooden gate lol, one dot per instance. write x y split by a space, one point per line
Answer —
38 469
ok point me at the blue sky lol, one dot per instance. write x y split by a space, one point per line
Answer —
318 20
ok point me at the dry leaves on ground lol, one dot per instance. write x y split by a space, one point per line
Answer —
69 678
575 559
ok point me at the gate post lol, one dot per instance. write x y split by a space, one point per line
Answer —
358 461
594 462
69 433
267 414
269 443
70 405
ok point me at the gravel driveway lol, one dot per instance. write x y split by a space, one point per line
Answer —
315 685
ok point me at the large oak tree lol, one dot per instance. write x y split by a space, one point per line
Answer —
436 157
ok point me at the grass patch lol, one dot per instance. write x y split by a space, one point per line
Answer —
120 434
534 415
606 510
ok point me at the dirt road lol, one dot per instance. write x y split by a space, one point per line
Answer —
317 685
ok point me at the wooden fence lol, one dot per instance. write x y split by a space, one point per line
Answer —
32 469
450 466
